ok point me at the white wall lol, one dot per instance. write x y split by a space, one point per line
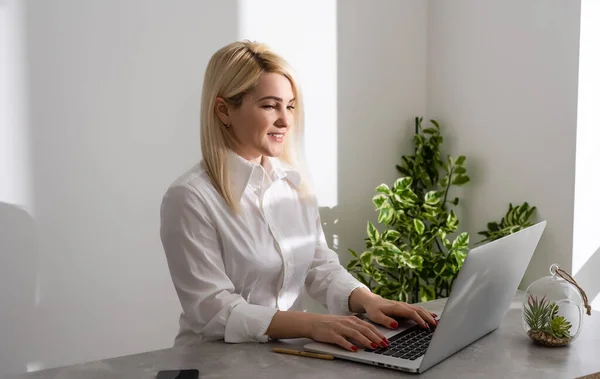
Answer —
586 244
382 83
114 92
503 77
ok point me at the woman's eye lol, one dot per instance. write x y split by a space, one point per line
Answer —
269 106
291 107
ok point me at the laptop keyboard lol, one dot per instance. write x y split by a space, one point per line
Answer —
409 344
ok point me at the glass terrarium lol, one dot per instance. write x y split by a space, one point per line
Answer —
553 309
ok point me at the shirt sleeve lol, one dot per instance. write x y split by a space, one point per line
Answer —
194 256
328 282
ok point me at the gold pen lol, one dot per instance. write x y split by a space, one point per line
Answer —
302 353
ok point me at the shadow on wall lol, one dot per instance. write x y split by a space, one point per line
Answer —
17 293
113 117
375 108
380 90
335 230
333 227
587 277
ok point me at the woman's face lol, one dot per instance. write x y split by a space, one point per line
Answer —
259 125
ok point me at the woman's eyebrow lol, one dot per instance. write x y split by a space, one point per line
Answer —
274 98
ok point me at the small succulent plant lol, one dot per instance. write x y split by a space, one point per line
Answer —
546 326
559 327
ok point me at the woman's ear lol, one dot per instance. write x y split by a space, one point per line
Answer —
222 110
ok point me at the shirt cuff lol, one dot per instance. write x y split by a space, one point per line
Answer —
248 322
338 293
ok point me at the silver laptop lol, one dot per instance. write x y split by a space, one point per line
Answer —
480 297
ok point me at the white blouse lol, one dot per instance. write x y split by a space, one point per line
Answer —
232 272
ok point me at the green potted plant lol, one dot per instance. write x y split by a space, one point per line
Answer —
418 255
516 218
415 259
545 325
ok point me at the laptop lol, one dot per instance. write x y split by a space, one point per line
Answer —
480 297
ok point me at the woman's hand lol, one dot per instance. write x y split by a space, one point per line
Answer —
346 331
382 310
349 332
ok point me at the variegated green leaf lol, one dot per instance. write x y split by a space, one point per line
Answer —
379 200
402 183
366 258
353 253
385 216
391 235
352 264
419 226
416 262
461 241
391 248
372 232
383 188
459 180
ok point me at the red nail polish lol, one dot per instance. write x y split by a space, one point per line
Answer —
386 341
434 315
354 348
394 324
385 344
373 345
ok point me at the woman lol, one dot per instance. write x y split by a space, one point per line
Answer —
241 230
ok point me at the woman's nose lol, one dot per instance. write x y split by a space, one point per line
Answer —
284 120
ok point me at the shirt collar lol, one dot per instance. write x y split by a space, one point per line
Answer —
243 173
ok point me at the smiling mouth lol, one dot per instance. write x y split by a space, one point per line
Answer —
276 136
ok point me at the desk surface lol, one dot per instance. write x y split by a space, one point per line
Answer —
505 353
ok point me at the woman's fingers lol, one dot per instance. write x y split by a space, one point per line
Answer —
408 311
359 333
371 332
428 311
347 332
416 316
425 315
358 337
377 332
344 343
381 318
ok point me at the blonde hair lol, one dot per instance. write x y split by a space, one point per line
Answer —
233 71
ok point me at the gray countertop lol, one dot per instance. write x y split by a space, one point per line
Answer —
505 353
